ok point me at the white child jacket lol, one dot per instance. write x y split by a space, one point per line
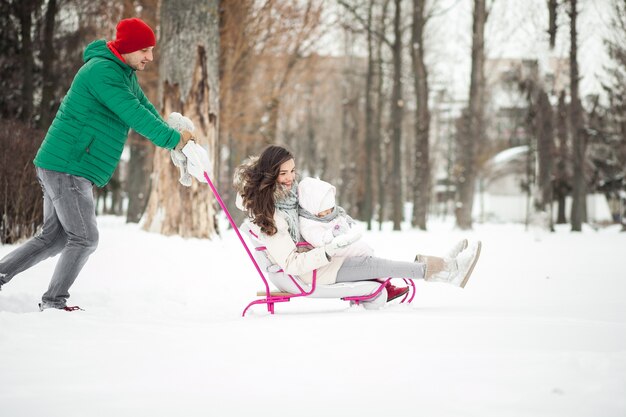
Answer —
315 196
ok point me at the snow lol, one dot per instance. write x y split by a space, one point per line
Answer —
539 330
509 154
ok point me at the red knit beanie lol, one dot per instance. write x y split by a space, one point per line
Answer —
132 35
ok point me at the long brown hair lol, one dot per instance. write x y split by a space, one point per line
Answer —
256 181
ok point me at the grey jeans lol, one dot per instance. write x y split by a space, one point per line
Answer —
69 227
362 268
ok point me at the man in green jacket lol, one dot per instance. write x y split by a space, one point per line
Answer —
82 148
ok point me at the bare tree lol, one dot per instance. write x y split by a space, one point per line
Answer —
577 129
397 108
552 17
562 174
370 134
544 128
263 48
421 176
189 41
380 109
292 33
469 145
616 91
47 66
25 11
388 160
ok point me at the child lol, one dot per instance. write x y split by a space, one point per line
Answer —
321 220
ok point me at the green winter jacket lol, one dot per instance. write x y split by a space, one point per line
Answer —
87 135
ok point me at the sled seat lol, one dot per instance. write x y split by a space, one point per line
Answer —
273 294
370 294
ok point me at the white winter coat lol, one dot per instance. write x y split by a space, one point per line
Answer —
315 196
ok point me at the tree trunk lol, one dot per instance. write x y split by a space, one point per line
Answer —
578 135
189 85
25 10
561 177
421 177
380 166
138 179
552 17
544 126
370 137
47 67
397 106
469 145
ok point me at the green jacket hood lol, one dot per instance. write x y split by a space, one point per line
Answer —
99 49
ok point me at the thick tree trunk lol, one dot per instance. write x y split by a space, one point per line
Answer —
397 108
421 177
578 135
188 76
469 145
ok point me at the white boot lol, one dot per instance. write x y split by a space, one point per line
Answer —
460 273
457 248
437 269
451 254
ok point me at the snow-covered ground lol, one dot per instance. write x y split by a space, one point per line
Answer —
540 330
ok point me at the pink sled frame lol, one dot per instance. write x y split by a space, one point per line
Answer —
269 299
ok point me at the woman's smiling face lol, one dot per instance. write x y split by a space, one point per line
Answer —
287 174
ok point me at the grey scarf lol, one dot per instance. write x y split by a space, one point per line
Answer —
286 202
337 211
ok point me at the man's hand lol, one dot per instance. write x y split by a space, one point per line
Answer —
341 242
185 136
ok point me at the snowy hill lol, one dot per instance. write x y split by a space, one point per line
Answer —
540 330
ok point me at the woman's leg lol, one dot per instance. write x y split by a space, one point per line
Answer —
363 268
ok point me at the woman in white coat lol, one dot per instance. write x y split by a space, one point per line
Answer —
266 187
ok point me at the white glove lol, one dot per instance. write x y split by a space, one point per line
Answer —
197 160
340 242
180 161
180 123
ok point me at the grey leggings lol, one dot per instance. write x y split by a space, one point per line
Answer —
362 268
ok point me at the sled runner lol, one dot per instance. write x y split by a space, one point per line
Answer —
368 293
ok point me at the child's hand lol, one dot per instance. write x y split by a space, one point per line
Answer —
350 221
340 242
339 229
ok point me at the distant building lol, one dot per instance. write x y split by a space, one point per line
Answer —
502 196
